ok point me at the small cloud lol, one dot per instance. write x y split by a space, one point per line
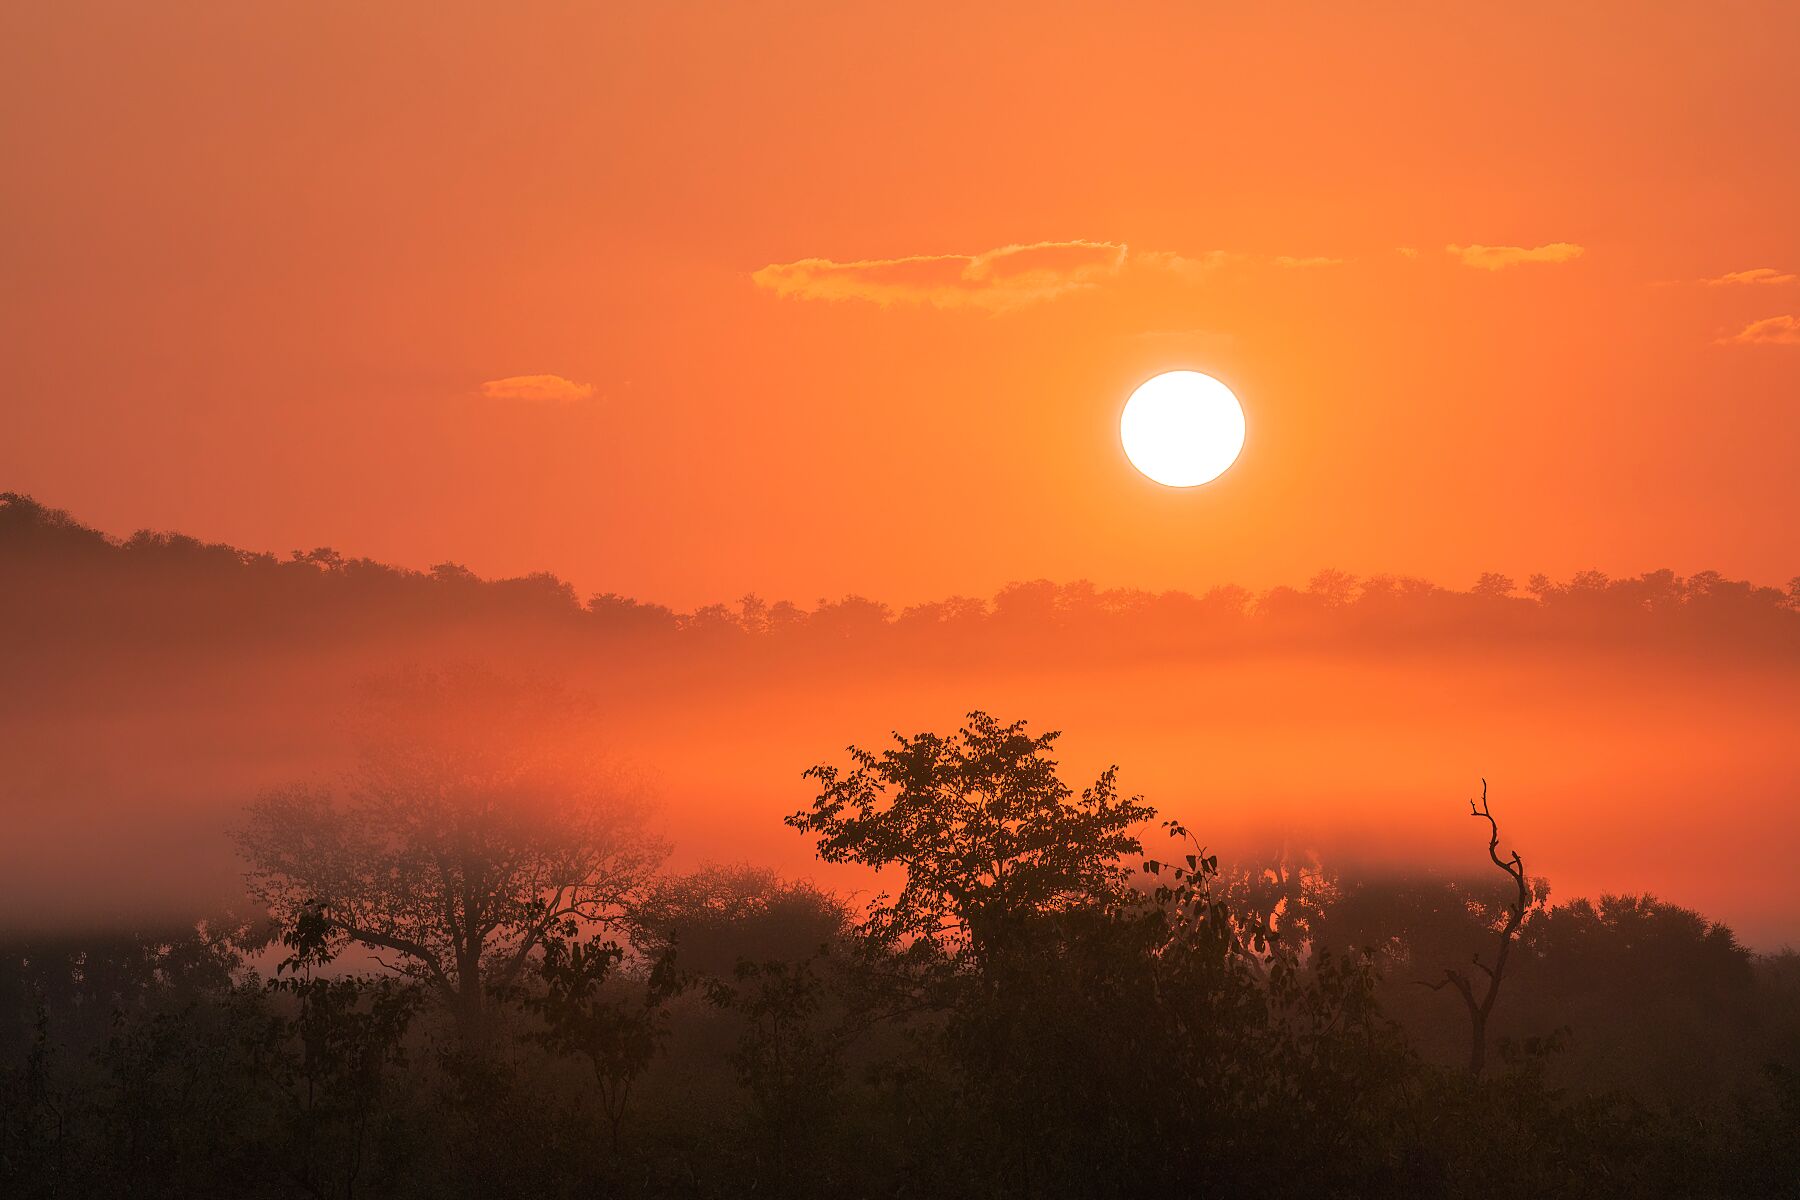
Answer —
1754 275
1317 260
1407 251
1495 258
1770 331
538 389
995 280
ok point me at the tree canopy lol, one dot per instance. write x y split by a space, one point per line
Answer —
986 831
457 845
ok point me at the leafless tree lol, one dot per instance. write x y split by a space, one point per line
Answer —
459 843
1467 985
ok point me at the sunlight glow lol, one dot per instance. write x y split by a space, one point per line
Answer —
1182 428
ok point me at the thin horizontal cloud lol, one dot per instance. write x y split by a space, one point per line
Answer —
1770 331
1185 266
1495 258
1754 275
995 280
1003 279
537 389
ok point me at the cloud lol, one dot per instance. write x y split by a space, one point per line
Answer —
1003 279
995 280
537 389
1754 275
1185 266
1494 258
1770 331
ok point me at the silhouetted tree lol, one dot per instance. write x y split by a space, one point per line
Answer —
348 1033
589 1010
1690 988
1482 1007
985 830
720 915
1003 862
462 843
789 1056
1493 585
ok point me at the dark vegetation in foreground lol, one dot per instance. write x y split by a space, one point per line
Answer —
474 979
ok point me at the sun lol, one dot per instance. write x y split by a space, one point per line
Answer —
1182 428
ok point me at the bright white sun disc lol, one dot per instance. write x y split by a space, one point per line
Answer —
1182 428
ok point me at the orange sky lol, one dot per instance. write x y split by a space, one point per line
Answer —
261 260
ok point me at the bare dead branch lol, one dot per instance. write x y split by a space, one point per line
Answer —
1481 1009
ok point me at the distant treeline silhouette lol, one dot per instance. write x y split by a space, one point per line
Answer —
151 679
64 575
470 977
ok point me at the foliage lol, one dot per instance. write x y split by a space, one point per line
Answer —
1028 1016
587 1011
342 1049
987 833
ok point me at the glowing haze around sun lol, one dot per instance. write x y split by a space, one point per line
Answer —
1182 429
